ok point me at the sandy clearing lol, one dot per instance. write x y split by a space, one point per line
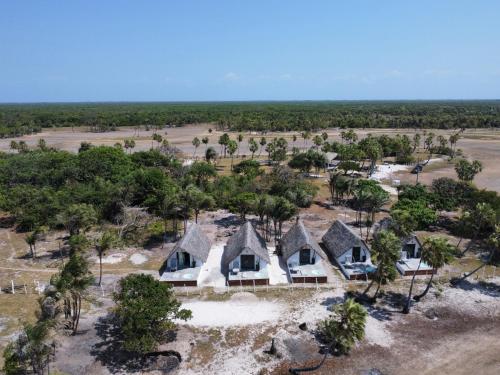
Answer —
138 258
243 309
110 259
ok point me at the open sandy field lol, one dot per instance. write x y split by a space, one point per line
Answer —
480 144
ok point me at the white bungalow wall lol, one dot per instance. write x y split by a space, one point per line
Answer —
172 260
236 262
295 258
348 254
414 241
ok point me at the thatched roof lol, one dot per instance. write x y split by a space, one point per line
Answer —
340 238
194 242
297 238
245 238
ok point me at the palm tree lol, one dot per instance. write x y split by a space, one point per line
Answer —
341 330
493 243
262 143
436 252
196 144
232 146
253 146
385 251
204 140
210 154
31 241
105 243
239 138
306 135
481 217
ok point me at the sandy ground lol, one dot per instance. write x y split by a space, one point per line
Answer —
242 309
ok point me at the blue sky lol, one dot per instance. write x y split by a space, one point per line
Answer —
248 50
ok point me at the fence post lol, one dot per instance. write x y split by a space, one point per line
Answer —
25 290
102 290
12 286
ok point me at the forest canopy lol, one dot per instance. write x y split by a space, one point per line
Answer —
18 119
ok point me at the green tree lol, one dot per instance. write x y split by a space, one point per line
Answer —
345 326
78 217
436 252
146 309
198 200
493 244
262 142
196 144
223 141
385 252
243 203
466 171
232 146
480 220
205 140
253 146
72 283
32 349
107 240
31 239
210 154
239 138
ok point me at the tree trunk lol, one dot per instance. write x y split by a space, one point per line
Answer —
368 288
458 281
100 267
407 307
376 292
420 296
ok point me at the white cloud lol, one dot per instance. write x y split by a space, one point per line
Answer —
231 76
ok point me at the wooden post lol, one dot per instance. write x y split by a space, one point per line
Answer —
25 290
12 286
253 285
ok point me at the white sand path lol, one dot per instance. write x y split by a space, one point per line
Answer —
211 274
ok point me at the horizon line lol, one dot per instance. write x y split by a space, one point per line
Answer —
243 101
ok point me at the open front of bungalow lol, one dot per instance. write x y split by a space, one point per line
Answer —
303 256
246 259
184 261
408 264
349 251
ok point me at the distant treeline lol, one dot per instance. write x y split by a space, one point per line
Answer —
18 119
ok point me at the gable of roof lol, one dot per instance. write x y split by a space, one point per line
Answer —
245 238
297 238
340 238
194 242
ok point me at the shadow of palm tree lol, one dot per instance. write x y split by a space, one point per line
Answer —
487 288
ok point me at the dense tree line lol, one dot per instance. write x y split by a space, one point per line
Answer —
18 119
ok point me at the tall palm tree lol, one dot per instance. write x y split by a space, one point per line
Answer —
481 217
385 252
204 140
493 243
102 245
262 142
341 330
239 138
436 252
31 241
196 144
